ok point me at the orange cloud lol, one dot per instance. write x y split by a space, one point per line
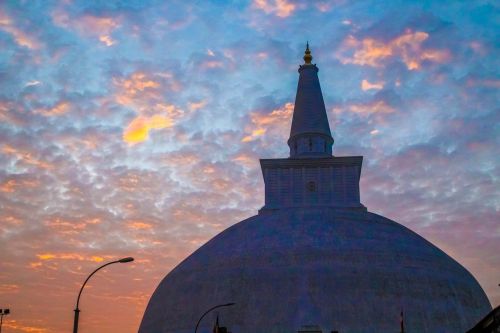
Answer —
9 113
68 256
59 109
408 47
9 186
379 107
15 325
11 220
25 157
181 158
138 130
197 105
137 225
66 226
245 159
136 88
69 227
142 93
21 38
210 64
144 90
376 107
280 8
262 122
12 185
107 40
365 85
9 288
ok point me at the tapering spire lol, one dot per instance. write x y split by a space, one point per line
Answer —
310 134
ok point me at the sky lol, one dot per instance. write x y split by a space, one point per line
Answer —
135 128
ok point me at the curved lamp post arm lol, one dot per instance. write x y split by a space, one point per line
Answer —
88 278
206 312
77 310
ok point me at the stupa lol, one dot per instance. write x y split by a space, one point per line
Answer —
315 256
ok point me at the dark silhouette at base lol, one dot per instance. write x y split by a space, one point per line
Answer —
3 312
206 312
489 324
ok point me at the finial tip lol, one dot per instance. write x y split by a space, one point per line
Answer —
307 56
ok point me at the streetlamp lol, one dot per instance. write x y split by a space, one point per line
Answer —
77 310
213 308
3 312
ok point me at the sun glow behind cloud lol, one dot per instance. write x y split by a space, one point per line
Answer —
138 130
142 93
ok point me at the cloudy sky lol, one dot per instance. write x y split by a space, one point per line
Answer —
134 128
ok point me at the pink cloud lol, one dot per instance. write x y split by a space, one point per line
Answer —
139 225
277 121
22 38
99 27
490 83
407 47
25 157
197 105
365 109
280 8
60 108
11 113
13 185
366 85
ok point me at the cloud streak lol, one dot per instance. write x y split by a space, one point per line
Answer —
408 48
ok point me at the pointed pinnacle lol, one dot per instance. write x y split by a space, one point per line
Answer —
307 56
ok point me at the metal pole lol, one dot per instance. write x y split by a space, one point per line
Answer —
75 322
203 315
77 310
1 322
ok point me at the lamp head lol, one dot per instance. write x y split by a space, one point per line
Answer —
124 260
6 311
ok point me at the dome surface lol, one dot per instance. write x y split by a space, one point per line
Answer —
341 269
